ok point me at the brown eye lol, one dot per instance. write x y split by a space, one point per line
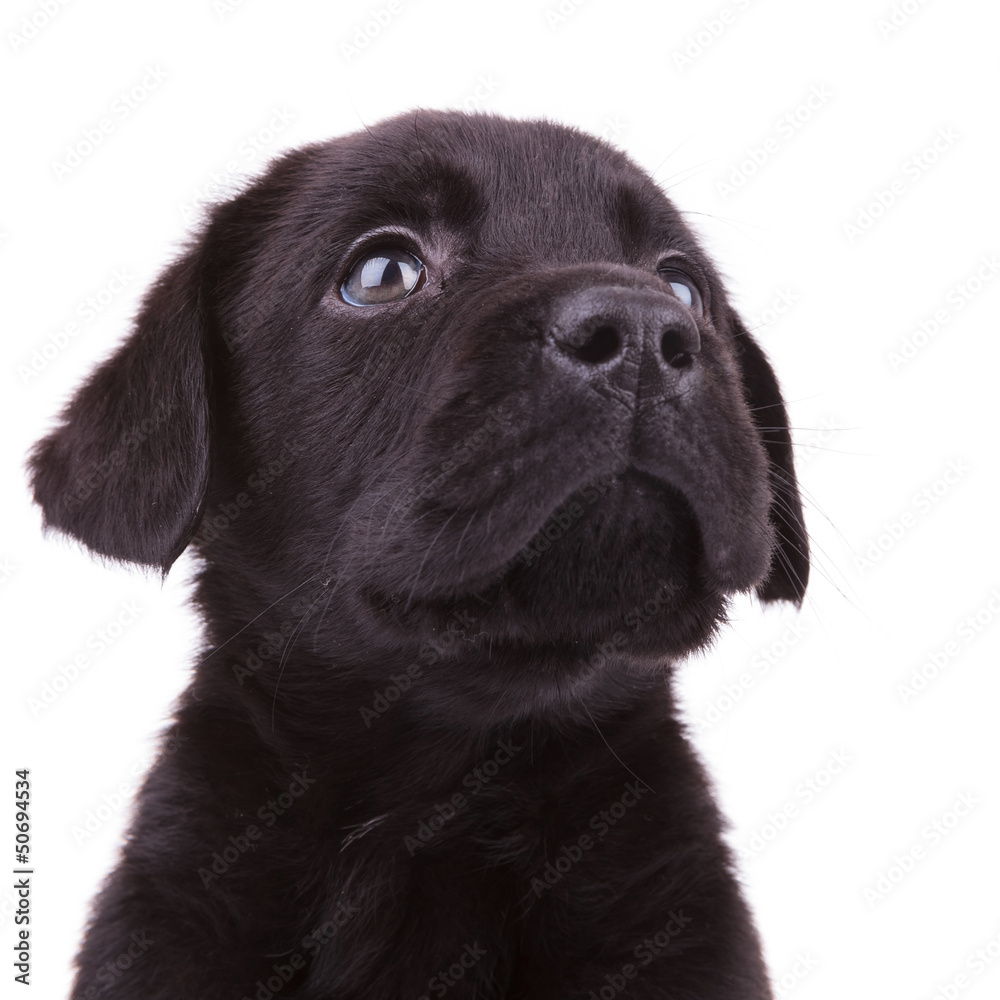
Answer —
384 275
683 287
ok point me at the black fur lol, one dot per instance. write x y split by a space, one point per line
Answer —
450 548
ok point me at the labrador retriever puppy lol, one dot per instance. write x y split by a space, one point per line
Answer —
470 449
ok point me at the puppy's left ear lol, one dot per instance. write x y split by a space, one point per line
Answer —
127 469
789 573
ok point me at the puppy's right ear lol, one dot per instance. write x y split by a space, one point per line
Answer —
126 470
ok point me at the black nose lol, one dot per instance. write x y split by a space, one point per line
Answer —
602 329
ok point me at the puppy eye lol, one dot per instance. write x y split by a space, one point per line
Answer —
384 275
683 288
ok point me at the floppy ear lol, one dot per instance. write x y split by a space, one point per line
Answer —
786 580
126 470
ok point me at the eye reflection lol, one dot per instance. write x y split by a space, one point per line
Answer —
683 287
384 275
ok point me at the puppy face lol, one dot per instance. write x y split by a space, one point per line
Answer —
451 366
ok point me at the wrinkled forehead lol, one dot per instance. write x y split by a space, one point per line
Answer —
533 189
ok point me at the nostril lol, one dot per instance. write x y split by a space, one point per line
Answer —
678 348
601 345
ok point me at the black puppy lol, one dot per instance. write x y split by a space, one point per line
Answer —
471 449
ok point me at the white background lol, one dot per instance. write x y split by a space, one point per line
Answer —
897 454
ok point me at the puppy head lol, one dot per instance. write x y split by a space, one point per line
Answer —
456 364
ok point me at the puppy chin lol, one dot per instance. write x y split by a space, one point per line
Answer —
621 561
